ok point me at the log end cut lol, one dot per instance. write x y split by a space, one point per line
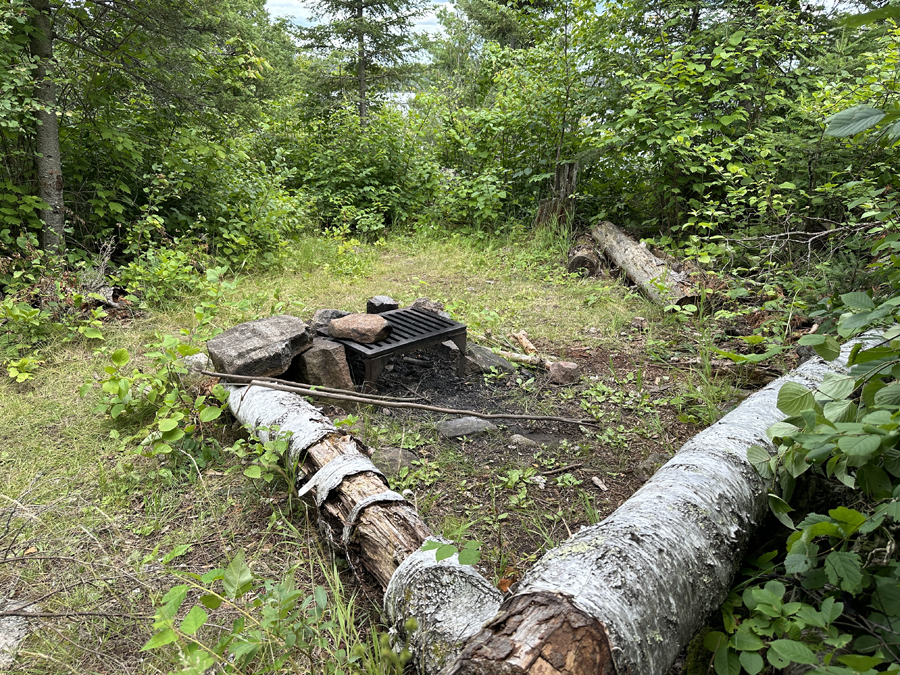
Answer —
537 634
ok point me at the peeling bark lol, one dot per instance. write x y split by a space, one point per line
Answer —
660 283
377 530
646 579
385 533
449 601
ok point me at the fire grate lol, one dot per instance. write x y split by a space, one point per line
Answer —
411 329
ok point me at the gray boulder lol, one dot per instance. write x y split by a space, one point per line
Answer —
521 441
381 303
391 460
363 328
325 365
651 465
263 348
481 359
430 305
323 317
464 426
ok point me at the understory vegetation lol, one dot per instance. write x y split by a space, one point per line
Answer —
172 169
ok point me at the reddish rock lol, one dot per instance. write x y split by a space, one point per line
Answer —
564 372
325 365
364 328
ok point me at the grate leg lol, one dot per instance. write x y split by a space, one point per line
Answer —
460 342
373 370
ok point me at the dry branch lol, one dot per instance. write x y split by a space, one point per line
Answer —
522 338
365 399
527 359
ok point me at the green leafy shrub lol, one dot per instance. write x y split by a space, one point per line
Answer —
833 595
362 177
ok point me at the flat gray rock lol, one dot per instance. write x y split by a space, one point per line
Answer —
362 328
521 441
325 365
381 303
481 360
391 460
264 347
464 426
651 465
13 630
430 305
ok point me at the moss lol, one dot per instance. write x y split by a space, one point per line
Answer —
697 659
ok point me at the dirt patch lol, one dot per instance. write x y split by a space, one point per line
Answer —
521 497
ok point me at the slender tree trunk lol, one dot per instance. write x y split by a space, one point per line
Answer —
49 164
361 64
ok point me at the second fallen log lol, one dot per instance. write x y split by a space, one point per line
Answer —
653 276
626 595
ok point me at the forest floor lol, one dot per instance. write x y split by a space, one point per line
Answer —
87 524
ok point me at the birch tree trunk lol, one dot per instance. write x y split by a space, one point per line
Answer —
49 162
626 595
658 282
378 531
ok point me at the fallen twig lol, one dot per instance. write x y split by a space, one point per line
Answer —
564 469
288 383
361 398
522 338
528 359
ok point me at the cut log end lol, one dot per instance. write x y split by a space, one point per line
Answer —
583 260
538 634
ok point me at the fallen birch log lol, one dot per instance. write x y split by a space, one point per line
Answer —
377 529
657 280
583 260
626 595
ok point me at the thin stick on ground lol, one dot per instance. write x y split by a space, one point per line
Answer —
363 398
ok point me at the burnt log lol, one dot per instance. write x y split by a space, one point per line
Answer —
377 529
625 596
653 276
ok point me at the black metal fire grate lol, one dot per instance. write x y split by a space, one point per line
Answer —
411 329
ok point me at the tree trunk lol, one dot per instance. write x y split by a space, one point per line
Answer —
49 164
660 283
361 65
377 530
561 206
625 596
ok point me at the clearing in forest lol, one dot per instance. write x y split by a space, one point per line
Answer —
95 534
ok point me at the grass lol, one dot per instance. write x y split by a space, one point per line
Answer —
86 524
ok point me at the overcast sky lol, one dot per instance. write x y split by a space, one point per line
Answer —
298 9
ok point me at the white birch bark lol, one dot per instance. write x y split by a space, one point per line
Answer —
657 280
449 601
651 574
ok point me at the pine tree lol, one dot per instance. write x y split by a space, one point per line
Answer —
372 42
